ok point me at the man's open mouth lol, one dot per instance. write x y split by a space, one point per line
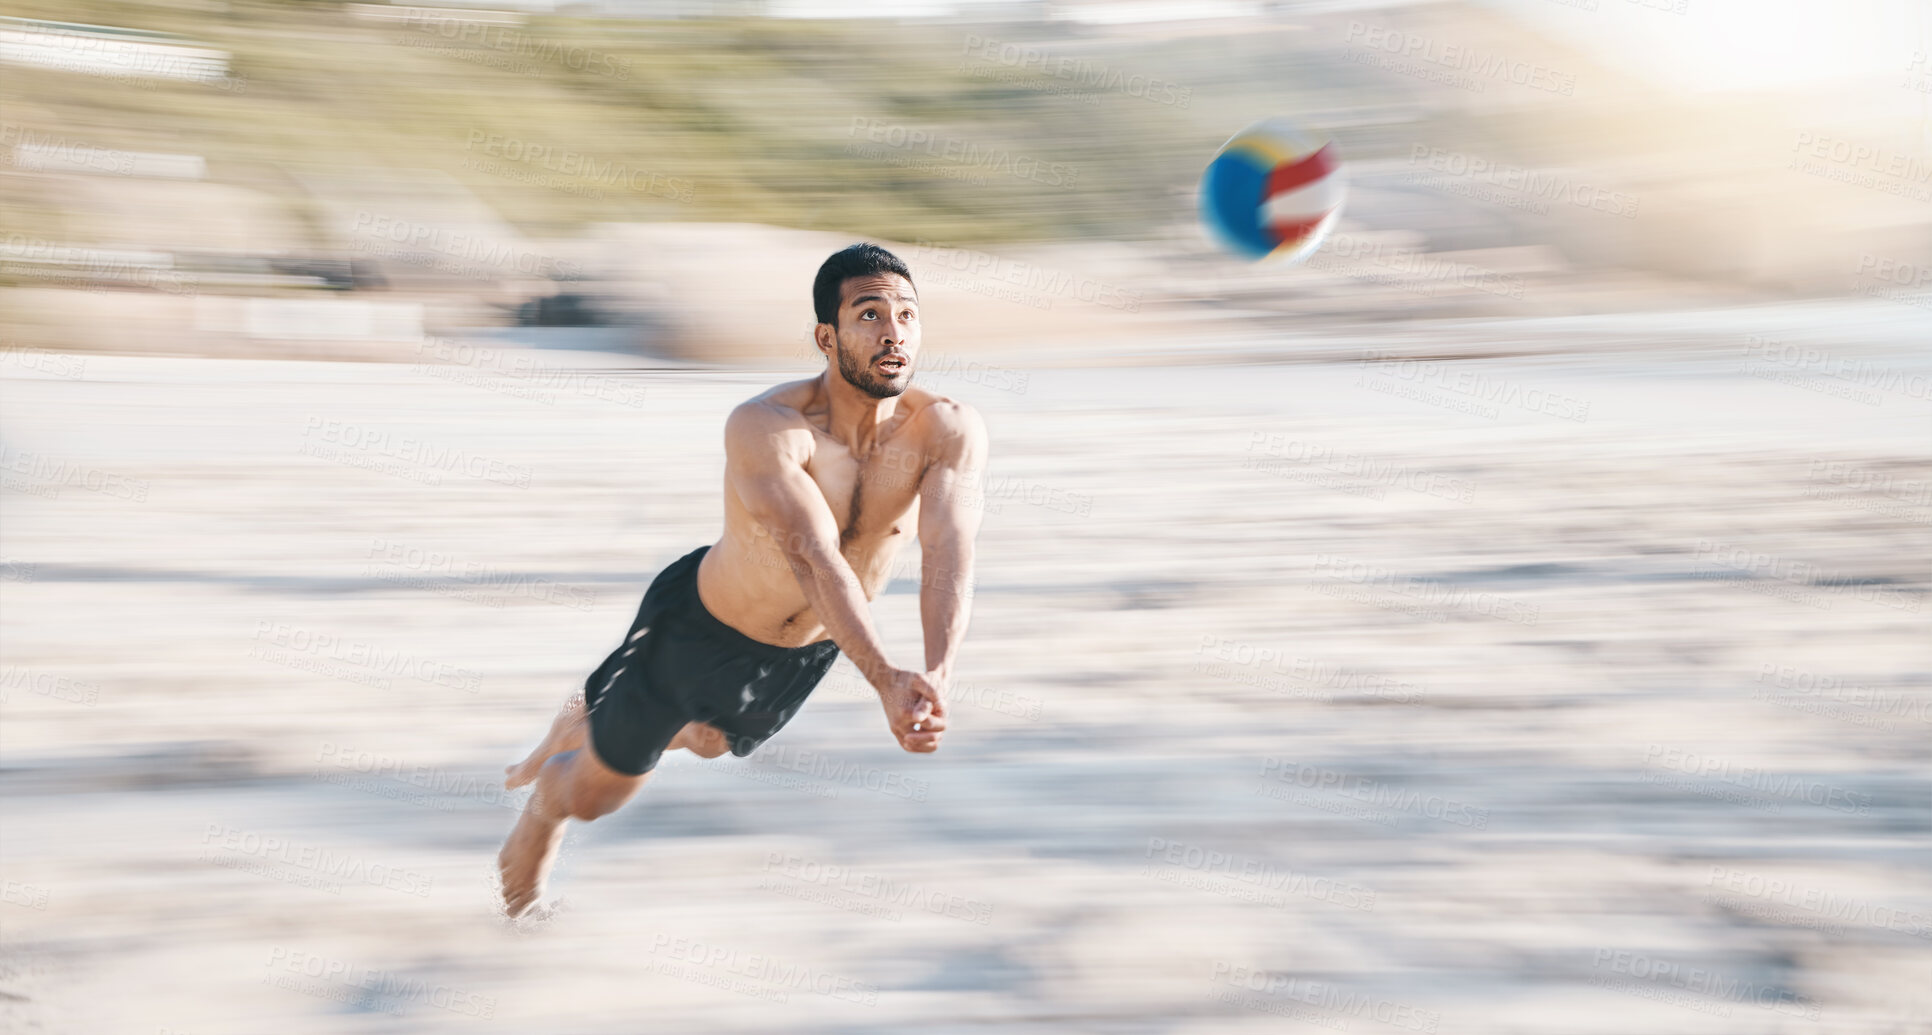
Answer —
892 364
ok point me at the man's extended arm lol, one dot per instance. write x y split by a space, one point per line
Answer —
765 457
765 464
951 504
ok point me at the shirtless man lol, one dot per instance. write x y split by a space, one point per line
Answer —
824 480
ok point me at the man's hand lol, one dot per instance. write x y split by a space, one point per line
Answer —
914 699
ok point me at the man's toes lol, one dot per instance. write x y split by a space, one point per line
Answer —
517 903
519 890
515 906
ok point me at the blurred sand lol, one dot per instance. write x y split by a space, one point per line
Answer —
1536 755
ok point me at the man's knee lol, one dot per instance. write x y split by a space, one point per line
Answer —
596 805
590 790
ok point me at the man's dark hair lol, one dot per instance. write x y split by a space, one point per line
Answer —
858 260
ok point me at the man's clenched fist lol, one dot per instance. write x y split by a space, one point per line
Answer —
915 707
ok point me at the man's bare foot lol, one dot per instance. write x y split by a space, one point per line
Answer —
567 733
574 784
525 859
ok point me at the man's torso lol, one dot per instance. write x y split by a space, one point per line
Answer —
745 579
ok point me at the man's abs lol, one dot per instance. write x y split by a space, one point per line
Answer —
750 586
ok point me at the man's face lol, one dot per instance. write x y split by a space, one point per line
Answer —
877 335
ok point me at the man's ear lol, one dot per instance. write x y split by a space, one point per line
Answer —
826 337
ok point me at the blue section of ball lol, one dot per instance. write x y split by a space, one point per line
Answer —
1231 202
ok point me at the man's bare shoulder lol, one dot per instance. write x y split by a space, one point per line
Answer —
772 416
792 396
943 417
783 403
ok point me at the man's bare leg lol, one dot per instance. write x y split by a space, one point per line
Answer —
567 733
571 729
574 784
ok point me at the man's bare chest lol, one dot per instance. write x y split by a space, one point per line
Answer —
870 496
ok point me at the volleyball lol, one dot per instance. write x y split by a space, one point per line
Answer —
1273 192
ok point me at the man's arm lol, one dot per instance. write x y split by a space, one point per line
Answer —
765 454
951 503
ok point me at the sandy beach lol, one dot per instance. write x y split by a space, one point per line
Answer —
1540 694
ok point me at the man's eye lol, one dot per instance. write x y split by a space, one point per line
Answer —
868 314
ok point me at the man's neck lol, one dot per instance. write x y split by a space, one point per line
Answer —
854 417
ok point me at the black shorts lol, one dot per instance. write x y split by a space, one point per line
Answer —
681 664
